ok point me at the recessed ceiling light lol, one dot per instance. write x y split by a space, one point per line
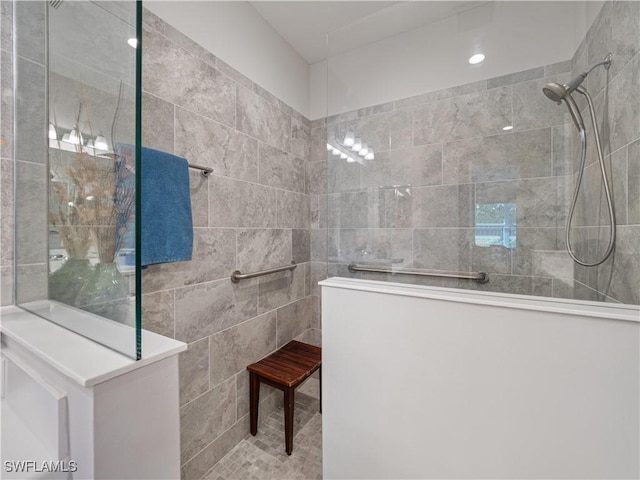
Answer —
507 128
133 42
477 58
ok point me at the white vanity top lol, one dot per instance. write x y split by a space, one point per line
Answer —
82 360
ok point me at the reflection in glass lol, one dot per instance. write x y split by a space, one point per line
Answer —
90 171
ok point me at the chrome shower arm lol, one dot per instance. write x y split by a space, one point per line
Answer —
606 63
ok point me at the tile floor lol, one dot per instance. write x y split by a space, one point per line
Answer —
263 456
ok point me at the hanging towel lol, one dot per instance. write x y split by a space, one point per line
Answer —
167 224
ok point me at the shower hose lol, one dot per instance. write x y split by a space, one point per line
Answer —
605 181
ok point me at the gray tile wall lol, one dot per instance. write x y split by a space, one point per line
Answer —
440 154
27 146
616 95
252 213
6 153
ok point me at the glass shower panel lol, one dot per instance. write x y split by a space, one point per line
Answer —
86 239
439 164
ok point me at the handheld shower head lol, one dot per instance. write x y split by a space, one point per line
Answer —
557 92
554 91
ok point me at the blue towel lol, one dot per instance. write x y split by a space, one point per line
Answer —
167 225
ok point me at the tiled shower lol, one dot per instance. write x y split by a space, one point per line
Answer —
252 213
447 164
444 158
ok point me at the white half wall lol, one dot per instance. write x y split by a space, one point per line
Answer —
237 34
514 36
423 382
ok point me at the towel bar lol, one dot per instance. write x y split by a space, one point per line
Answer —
237 275
205 170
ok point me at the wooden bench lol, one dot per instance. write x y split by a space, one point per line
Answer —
285 370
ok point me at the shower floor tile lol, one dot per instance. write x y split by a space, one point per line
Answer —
263 456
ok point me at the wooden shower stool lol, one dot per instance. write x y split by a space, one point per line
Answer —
284 369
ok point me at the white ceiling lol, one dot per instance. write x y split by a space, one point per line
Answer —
350 24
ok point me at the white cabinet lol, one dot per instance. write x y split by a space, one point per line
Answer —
71 405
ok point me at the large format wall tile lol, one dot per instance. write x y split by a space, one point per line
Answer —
443 248
300 137
210 144
517 77
318 144
6 286
194 371
529 240
214 251
259 149
260 249
416 166
498 157
206 418
491 258
31 211
201 463
557 68
384 132
395 207
293 320
293 210
621 102
301 245
350 210
199 188
633 183
282 288
234 203
157 123
280 169
564 159
233 349
620 276
158 313
207 308
31 283
6 212
316 177
30 106
532 109
536 199
342 176
319 245
30 30
617 30
263 120
443 206
467 116
538 286
270 398
6 99
441 94
6 25
348 245
394 246
176 75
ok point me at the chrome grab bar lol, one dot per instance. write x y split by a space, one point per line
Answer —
480 277
205 170
237 275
